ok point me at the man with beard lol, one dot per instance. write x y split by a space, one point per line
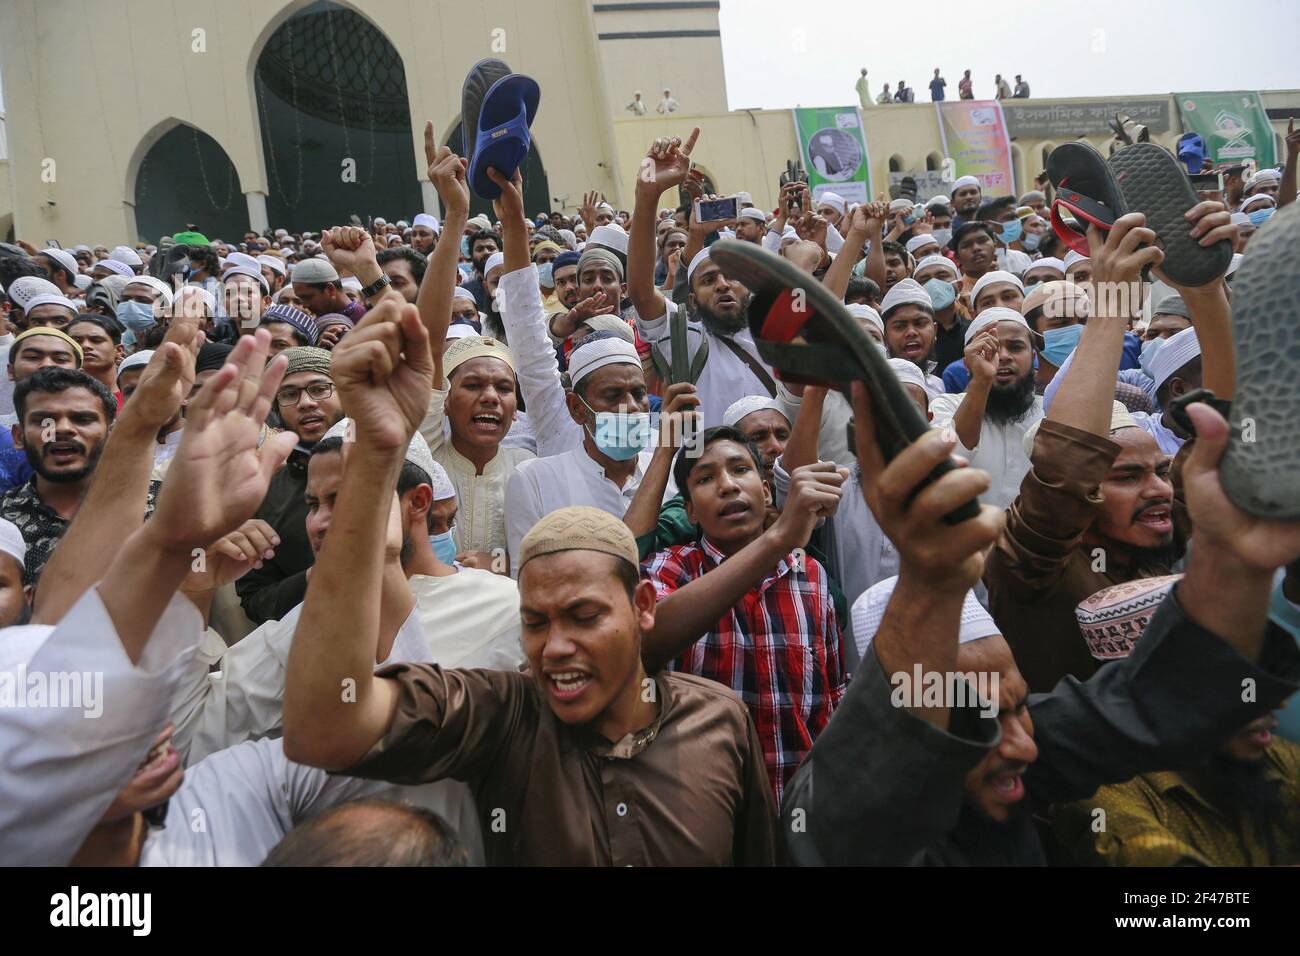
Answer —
763 421
64 417
1096 507
424 234
483 244
308 406
1238 808
733 369
999 405
319 289
30 351
965 195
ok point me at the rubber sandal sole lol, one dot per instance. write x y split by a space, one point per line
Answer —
808 336
503 138
1086 186
1260 470
1154 185
482 76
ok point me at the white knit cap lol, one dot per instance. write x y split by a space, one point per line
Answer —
1263 199
900 205
834 200
753 212
25 288
116 267
992 316
1263 176
11 541
315 270
424 219
1048 262
494 261
920 242
1177 350
700 257
460 292
126 254
869 611
964 181
162 288
612 236
905 292
937 260
741 407
135 360
989 278
1071 258
909 373
50 298
274 263
589 356
65 259
80 280
939 200
865 313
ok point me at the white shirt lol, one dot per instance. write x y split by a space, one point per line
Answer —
667 105
725 376
1154 426
1001 448
1012 260
542 485
59 768
164 452
481 518
833 436
638 107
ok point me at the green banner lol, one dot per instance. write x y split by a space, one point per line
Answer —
833 149
1234 126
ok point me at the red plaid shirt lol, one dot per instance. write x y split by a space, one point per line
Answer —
778 648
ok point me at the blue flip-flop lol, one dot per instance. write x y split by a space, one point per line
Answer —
497 109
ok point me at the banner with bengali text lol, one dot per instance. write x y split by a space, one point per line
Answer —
974 137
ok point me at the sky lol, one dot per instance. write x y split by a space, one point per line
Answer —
782 53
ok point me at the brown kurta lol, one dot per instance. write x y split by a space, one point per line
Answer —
1040 569
690 789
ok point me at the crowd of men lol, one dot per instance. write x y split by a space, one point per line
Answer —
413 544
938 85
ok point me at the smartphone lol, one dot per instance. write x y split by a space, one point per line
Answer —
1207 182
52 244
717 210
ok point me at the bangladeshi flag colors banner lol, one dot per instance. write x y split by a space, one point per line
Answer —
833 149
975 143
1234 126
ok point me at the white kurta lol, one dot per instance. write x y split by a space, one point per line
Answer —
59 768
1001 449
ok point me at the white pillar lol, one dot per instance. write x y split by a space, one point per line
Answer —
430 196
257 218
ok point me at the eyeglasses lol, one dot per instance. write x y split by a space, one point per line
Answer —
291 395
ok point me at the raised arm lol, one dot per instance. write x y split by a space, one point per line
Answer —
841 269
115 503
642 514
1286 192
1085 398
981 357
447 173
666 165
335 709
801 449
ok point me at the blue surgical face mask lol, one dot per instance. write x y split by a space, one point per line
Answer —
136 316
620 435
1030 241
1011 231
1261 216
1149 350
464 246
545 274
941 293
444 546
942 236
1059 343
1031 287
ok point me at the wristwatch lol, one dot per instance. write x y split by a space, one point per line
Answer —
369 291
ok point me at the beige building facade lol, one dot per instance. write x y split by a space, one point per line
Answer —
90 91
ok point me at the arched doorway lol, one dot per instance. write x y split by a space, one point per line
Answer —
335 122
537 190
186 179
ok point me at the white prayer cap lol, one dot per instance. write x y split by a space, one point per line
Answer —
869 611
114 283
1177 350
424 219
788 233
570 238
1262 199
417 454
1047 262
274 263
700 258
25 288
937 260
1073 257
80 281
899 205
135 360
612 236
116 267
611 323
933 201
865 313
460 330
64 259
495 261
963 182
352 282
1119 418
744 197
481 222
604 205
738 409
909 373
920 242
834 200
50 298
243 259
1264 176
460 292
753 212
315 270
126 254
11 541
162 288
905 292
992 316
589 356
991 278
